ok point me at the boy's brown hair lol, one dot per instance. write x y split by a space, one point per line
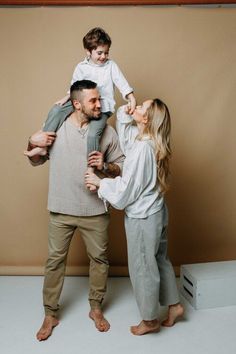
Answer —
95 37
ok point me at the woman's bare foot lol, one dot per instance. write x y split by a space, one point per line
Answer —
47 327
100 322
175 312
145 327
36 151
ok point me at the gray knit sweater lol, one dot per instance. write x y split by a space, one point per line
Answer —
68 164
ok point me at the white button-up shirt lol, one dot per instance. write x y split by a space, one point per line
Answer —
106 77
137 190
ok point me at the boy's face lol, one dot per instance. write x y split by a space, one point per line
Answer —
99 55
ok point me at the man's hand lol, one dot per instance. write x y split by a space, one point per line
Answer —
42 139
96 159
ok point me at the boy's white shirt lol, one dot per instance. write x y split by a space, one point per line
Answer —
105 76
136 190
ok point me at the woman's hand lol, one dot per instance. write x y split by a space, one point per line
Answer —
92 179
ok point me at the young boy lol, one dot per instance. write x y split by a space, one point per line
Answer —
99 68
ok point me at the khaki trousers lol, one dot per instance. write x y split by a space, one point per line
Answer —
93 230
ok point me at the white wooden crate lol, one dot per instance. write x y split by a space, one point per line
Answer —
208 285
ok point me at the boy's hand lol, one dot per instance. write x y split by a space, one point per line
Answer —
96 159
131 104
42 139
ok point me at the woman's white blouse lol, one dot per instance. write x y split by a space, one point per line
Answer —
136 191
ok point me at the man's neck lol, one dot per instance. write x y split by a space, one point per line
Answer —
78 119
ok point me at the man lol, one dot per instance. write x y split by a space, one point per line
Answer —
73 206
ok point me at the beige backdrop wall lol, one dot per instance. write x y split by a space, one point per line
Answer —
184 55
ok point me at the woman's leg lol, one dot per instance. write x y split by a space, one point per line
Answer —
169 295
142 241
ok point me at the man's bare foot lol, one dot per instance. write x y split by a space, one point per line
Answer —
47 327
100 322
175 312
36 151
145 327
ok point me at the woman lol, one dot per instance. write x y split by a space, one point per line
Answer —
145 141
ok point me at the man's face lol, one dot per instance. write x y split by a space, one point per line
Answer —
90 105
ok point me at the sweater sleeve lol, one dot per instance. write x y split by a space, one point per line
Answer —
121 192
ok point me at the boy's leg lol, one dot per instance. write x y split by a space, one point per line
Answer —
57 116
96 128
55 119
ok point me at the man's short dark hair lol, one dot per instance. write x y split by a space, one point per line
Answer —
95 37
79 86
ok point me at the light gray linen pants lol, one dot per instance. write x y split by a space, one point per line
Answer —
151 273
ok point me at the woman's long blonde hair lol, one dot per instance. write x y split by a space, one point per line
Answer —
158 128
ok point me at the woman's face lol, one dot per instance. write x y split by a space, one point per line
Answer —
140 112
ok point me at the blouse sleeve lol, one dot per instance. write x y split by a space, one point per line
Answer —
119 80
137 175
126 131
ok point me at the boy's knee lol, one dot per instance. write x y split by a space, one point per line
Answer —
55 110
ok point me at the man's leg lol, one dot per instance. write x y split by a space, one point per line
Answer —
61 230
94 233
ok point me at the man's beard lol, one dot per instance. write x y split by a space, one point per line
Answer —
88 114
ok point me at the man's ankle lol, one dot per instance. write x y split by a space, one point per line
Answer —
95 305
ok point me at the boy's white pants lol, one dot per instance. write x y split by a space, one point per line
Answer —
151 273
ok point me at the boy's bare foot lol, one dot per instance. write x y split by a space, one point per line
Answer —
100 322
47 327
175 312
36 151
145 327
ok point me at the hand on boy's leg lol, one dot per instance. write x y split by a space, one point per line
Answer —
42 139
96 159
42 151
